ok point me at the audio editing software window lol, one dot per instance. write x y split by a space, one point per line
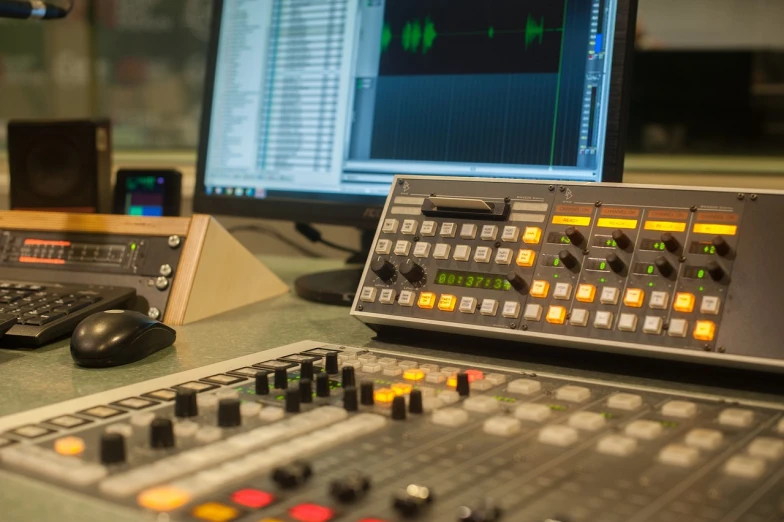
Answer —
337 96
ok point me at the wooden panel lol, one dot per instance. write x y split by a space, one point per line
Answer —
97 223
186 271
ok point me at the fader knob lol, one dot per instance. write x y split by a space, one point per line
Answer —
568 259
347 378
292 475
185 403
463 384
721 245
262 383
350 400
322 385
486 511
412 271
413 500
399 408
384 269
665 267
575 236
161 433
517 281
305 390
366 392
331 363
415 402
281 378
112 448
715 270
350 488
229 413
621 239
306 370
616 263
292 400
671 242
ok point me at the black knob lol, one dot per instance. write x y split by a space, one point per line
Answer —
262 383
281 378
671 242
568 259
112 448
722 247
322 385
383 268
665 267
350 400
229 413
366 391
415 402
306 370
621 239
348 377
350 488
517 281
715 270
331 363
411 501
305 390
412 271
292 400
486 511
161 433
185 403
399 408
292 475
463 385
575 236
616 263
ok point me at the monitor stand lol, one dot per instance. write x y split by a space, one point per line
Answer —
336 287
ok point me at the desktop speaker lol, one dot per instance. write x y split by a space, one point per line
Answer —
62 165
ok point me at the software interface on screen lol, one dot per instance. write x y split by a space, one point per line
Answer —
144 195
337 96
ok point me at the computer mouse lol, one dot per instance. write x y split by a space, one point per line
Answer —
116 337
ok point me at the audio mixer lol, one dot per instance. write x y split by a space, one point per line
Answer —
311 433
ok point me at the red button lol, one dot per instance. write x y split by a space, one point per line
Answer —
311 513
474 375
252 498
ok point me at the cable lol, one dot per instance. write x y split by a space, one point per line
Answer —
315 236
277 235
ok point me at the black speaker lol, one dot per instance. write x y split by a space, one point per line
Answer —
62 165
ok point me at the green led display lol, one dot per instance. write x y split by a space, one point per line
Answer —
472 280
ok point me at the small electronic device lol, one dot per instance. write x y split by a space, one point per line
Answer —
148 192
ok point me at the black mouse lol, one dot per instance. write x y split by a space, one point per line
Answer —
115 337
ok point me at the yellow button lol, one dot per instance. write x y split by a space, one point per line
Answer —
704 330
401 388
634 297
586 293
540 289
526 258
215 512
413 374
163 498
532 235
446 303
69 446
452 381
384 395
556 315
427 300
684 302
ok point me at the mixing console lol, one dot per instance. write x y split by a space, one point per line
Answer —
312 432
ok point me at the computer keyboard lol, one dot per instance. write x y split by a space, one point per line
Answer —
46 311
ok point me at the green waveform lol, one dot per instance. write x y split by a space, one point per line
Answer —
414 34
386 37
533 30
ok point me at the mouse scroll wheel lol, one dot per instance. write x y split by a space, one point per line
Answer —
114 311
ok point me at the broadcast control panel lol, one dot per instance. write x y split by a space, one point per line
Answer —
669 272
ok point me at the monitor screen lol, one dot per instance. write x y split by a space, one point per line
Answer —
322 102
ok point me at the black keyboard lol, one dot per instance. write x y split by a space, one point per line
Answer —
47 311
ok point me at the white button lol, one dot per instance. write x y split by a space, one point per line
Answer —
389 226
449 396
587 420
467 305
617 445
430 404
481 404
510 234
766 448
679 455
562 291
187 428
745 467
407 298
207 400
524 386
427 368
678 328
503 256
271 414
624 401
142 419
489 307
371 367
571 393
428 228
481 385
738 417
402 248
448 230
609 295
533 412
250 409
627 322
652 325
489 232
449 371
710 305
435 378
387 296
603 320
501 426
704 439
533 312
383 247
409 227
392 371
679 409
468 231
558 435
386 362
442 251
483 254
451 417
422 249
495 378
644 429
462 253
208 434
659 300
511 310
123 429
579 317
406 365
368 294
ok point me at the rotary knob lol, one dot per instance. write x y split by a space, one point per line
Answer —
322 385
671 242
568 259
412 271
185 403
575 236
112 448
517 281
616 263
229 413
715 270
161 433
383 268
722 247
665 267
621 239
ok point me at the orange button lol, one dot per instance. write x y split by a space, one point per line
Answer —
427 300
556 315
634 297
215 512
684 302
413 374
401 388
540 288
532 235
526 258
585 293
445 304
69 446
384 395
704 330
163 498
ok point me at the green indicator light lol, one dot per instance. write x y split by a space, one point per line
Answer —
602 265
555 276
601 280
133 247
556 262
702 289
557 407
650 284
650 269
700 274
490 32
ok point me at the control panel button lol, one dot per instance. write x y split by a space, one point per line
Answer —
533 312
450 417
489 232
428 228
586 293
679 409
467 305
609 295
572 393
603 320
704 330
710 305
737 417
679 455
644 429
766 448
511 310
558 435
617 445
678 328
462 253
587 420
579 317
422 249
532 235
468 231
503 256
489 307
525 258
624 401
562 291
407 298
540 288
745 467
684 302
634 297
447 303
524 386
556 315
627 323
402 248
368 294
533 412
501 427
510 234
442 251
383 247
390 226
427 300
448 230
387 296
409 227
652 325
483 254
659 300
704 439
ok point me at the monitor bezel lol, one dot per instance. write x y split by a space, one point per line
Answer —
364 211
